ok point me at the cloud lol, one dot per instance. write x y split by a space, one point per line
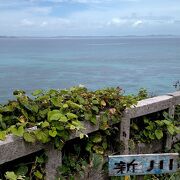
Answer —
26 22
86 1
84 17
40 10
137 23
44 23
116 22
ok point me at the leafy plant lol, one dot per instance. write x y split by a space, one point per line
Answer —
58 113
155 129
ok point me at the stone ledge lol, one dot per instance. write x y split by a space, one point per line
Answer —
15 147
151 105
176 96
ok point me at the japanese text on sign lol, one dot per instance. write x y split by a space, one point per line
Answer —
142 164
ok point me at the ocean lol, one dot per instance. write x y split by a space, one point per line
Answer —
96 62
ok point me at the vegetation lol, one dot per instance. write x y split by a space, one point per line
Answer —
57 114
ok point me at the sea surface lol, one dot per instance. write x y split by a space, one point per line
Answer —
96 62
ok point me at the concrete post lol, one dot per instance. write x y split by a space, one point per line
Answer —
125 133
169 139
54 161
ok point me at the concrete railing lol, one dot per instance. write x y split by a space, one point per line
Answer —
14 147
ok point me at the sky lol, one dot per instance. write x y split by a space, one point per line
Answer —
89 17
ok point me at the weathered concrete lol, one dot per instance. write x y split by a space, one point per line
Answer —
151 105
15 147
169 139
54 161
176 138
125 133
142 148
176 96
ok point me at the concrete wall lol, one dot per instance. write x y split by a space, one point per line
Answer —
13 147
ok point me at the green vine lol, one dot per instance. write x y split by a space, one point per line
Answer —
58 113
148 130
52 116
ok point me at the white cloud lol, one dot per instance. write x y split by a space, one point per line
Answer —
86 1
26 22
117 22
40 10
44 23
137 23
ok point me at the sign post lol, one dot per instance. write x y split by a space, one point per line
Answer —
142 164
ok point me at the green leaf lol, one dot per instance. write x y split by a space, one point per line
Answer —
95 102
63 119
19 92
43 113
38 174
74 105
57 101
2 135
103 103
159 122
10 175
78 124
104 145
58 144
93 120
89 146
87 116
96 138
81 135
159 133
151 136
24 113
58 125
72 116
52 133
97 161
45 124
95 108
54 115
64 135
17 131
40 159
134 126
146 133
3 125
166 122
22 170
98 149
42 135
37 92
81 100
171 129
104 125
177 129
52 92
29 137
72 127
65 106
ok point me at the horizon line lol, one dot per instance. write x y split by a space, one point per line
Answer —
61 36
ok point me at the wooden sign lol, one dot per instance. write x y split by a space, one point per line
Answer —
141 164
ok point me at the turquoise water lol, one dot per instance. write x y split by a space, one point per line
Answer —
131 63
